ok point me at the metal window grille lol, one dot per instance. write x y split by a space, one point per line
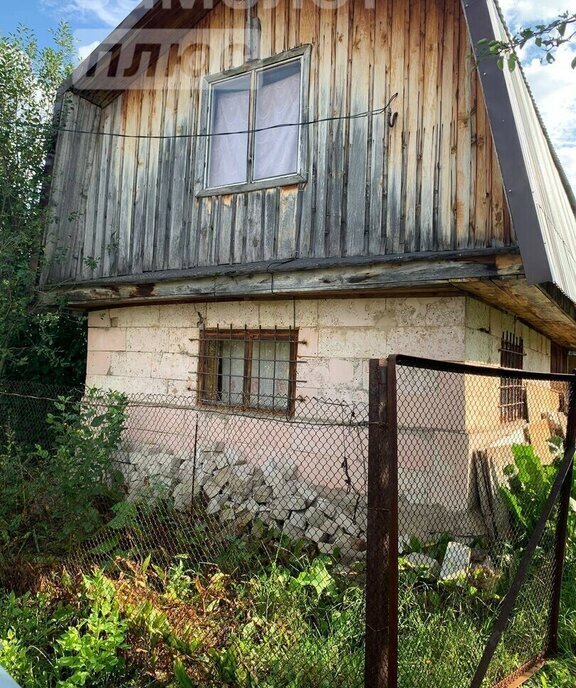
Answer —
559 364
249 369
512 396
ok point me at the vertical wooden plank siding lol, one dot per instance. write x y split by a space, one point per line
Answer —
429 183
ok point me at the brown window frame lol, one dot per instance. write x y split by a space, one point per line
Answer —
512 391
207 379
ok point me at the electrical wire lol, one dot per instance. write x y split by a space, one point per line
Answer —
358 115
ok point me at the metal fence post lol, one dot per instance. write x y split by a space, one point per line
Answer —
562 525
381 660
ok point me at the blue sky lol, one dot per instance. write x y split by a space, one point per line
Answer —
554 86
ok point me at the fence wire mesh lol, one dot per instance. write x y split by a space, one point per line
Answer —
251 525
472 485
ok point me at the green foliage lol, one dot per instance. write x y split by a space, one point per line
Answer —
53 499
89 652
545 37
32 341
530 483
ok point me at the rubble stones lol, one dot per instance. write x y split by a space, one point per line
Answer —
216 504
243 494
262 494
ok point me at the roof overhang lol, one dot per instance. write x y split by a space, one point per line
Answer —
91 79
541 201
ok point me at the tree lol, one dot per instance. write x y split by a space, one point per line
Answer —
30 338
547 38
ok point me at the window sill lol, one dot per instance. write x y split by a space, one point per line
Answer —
287 180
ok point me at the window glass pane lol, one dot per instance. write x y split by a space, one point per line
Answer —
231 375
270 382
277 102
228 156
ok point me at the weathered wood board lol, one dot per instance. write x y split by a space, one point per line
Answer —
430 182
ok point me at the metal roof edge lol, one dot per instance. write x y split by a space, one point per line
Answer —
508 147
565 182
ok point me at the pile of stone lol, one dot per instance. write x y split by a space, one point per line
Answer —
240 493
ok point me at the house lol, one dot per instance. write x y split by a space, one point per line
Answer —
252 202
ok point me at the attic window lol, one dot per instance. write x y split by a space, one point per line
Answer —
253 117
252 369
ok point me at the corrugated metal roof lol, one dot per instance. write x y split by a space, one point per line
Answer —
551 193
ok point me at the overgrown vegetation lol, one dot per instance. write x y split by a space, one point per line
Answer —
264 611
34 342
54 497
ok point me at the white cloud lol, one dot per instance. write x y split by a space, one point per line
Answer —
523 12
553 85
107 12
85 50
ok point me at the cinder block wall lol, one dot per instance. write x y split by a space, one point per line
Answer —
154 349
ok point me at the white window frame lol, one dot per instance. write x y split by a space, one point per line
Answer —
253 68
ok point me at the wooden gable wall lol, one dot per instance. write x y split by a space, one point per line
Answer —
126 206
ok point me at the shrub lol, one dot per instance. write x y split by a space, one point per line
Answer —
51 500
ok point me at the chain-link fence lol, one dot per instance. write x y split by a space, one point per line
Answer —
269 505
475 473
416 540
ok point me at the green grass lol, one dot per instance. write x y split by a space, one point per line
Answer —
296 625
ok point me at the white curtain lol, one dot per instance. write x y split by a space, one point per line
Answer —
232 380
277 102
270 382
229 153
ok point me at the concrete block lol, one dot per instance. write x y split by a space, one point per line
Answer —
477 314
127 385
292 531
235 314
262 494
419 560
107 339
276 314
216 504
298 520
315 517
136 316
222 477
456 561
98 363
447 343
308 342
346 524
183 493
344 313
99 318
280 514
316 534
211 489
185 315
307 313
327 507
243 519
172 366
136 365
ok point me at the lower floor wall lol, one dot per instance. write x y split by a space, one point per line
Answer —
154 350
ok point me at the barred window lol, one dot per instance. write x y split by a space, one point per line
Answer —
512 396
253 369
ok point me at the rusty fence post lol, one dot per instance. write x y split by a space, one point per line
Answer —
381 659
562 525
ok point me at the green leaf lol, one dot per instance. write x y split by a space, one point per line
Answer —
181 675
